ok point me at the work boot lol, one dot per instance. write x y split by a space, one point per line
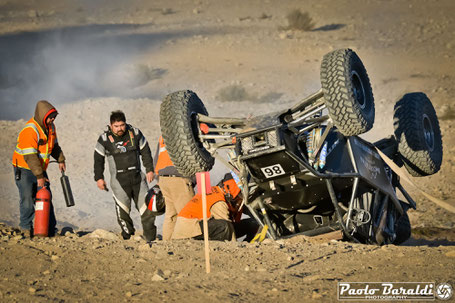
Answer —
126 236
27 233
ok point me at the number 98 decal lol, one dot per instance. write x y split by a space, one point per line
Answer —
272 170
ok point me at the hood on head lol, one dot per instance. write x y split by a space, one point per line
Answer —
42 111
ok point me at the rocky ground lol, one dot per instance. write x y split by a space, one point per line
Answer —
91 57
98 266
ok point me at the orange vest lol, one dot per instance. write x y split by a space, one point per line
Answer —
193 209
33 140
163 160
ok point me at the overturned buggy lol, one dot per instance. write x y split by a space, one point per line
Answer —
304 169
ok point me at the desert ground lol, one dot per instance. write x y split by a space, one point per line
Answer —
242 58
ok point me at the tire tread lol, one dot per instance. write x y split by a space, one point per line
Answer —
338 92
417 158
175 124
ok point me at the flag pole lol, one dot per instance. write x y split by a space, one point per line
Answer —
205 225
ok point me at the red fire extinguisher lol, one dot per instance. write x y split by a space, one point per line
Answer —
42 207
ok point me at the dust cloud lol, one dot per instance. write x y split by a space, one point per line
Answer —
73 63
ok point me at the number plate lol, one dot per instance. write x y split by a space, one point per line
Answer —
272 170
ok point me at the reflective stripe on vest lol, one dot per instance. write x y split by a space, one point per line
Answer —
26 151
193 209
31 150
33 126
163 157
28 143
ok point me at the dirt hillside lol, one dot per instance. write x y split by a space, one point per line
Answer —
243 58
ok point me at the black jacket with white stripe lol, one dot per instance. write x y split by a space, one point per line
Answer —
125 151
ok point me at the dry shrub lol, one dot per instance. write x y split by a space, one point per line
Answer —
167 11
233 93
447 113
264 16
299 20
139 74
270 97
239 93
148 73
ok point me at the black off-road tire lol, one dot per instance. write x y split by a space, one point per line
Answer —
178 121
402 229
347 92
418 134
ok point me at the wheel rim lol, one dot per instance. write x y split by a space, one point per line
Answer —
359 90
194 129
428 132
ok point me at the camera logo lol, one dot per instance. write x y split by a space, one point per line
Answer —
393 291
444 291
386 291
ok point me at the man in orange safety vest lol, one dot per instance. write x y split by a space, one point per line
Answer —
177 189
223 210
36 143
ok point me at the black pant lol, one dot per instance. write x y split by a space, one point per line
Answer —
129 190
27 185
246 227
219 230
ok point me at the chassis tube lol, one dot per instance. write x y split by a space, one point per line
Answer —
308 100
299 117
311 126
207 137
374 212
267 220
337 209
322 140
224 130
355 186
407 196
255 215
220 120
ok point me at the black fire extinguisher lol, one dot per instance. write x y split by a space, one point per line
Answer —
67 190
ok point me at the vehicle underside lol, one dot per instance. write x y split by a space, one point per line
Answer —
305 170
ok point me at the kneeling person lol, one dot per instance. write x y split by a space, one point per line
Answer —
222 210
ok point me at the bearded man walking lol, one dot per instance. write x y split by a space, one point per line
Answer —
123 145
